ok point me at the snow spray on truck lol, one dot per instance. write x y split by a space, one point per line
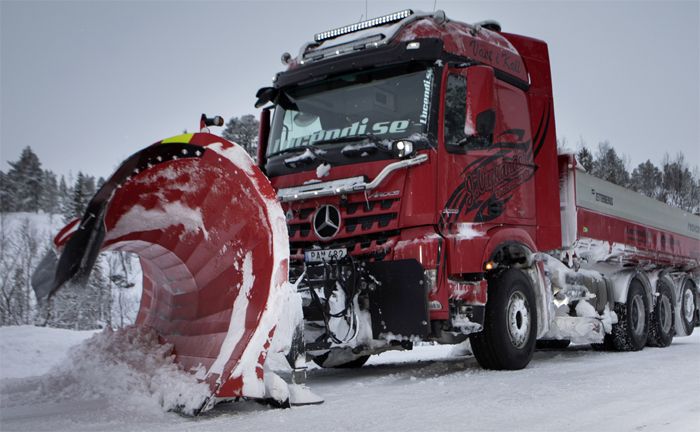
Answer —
407 188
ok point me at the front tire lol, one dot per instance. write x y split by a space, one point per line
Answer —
662 317
632 328
507 341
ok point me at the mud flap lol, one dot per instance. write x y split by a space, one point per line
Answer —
399 305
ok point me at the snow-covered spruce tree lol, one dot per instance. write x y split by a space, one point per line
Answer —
678 184
646 179
695 195
244 132
83 190
608 166
26 177
584 157
49 196
7 194
65 198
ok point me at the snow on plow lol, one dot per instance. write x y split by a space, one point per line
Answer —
213 247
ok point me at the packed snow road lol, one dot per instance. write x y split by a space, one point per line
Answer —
429 388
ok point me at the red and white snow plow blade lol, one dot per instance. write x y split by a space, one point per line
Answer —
213 246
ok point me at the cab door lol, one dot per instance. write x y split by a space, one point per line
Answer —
486 169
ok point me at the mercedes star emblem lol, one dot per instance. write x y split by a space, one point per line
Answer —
327 221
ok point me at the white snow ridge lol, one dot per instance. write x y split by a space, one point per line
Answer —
126 369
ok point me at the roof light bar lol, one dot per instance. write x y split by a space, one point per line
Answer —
374 22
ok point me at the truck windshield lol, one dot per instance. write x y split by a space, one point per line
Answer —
385 104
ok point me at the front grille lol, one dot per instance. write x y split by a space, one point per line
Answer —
371 247
358 218
367 222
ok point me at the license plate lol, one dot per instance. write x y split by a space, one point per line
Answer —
321 255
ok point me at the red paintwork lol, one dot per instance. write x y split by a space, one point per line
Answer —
541 106
643 244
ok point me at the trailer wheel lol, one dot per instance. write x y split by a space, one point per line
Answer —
510 325
688 307
352 364
632 328
552 344
661 321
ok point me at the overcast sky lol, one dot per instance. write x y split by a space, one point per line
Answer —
86 84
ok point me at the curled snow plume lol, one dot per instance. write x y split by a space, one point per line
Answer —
127 367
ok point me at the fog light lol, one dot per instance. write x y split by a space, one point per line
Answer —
412 45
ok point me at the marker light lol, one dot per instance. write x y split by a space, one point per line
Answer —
330 34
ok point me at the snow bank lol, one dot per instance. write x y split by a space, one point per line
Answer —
127 368
43 345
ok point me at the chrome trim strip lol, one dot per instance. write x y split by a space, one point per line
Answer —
347 185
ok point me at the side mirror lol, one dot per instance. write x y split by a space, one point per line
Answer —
265 95
481 113
263 134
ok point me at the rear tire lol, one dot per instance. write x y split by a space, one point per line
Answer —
688 307
662 318
507 341
632 328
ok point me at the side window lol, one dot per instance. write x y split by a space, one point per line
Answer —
455 109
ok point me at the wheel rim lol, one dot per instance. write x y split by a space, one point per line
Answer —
665 314
637 315
688 305
518 320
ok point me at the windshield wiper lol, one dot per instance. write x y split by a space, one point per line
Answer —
289 150
294 161
373 138
314 146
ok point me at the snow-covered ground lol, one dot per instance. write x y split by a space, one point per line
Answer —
429 388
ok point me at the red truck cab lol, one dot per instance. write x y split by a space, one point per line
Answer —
416 160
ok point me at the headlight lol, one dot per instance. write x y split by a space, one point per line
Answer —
402 148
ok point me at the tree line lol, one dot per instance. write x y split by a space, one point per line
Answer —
673 182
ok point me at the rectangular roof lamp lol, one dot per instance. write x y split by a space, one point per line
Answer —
374 22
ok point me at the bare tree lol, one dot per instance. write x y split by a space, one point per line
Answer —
18 257
121 274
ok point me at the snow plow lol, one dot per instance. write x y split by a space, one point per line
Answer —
212 243
408 188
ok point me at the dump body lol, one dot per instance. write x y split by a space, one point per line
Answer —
635 227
